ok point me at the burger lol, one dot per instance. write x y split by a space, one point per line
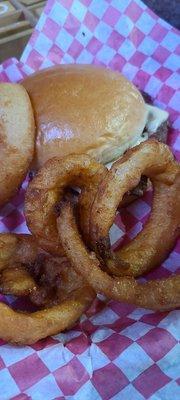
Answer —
88 109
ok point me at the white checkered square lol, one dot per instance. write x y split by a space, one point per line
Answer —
145 23
55 357
58 13
85 57
46 388
153 86
170 364
127 49
106 316
148 46
43 44
124 25
11 357
173 80
175 101
84 35
98 8
86 359
173 62
102 31
172 323
150 66
64 39
99 359
13 72
101 333
87 391
170 41
173 261
129 392
133 356
168 392
78 10
8 387
137 330
129 71
121 5
105 54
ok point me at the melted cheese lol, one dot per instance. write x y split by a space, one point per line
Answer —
155 118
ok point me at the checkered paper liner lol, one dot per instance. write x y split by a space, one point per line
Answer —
116 351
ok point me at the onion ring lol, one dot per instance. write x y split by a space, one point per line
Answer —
27 328
17 133
161 294
73 299
46 190
148 249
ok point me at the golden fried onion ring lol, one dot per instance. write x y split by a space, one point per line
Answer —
26 328
46 190
155 241
161 294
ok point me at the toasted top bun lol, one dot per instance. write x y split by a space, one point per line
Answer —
84 109
17 136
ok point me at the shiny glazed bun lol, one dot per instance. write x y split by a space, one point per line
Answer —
17 136
84 109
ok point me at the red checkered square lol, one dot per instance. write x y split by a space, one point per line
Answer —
50 29
163 73
91 21
78 345
71 377
34 59
71 24
133 11
117 62
28 371
13 220
141 79
154 318
55 54
158 32
161 54
157 343
137 59
165 94
120 324
75 49
150 381
94 46
67 3
111 16
44 343
137 36
115 40
109 381
114 345
88 328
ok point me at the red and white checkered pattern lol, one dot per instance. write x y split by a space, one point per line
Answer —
116 351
